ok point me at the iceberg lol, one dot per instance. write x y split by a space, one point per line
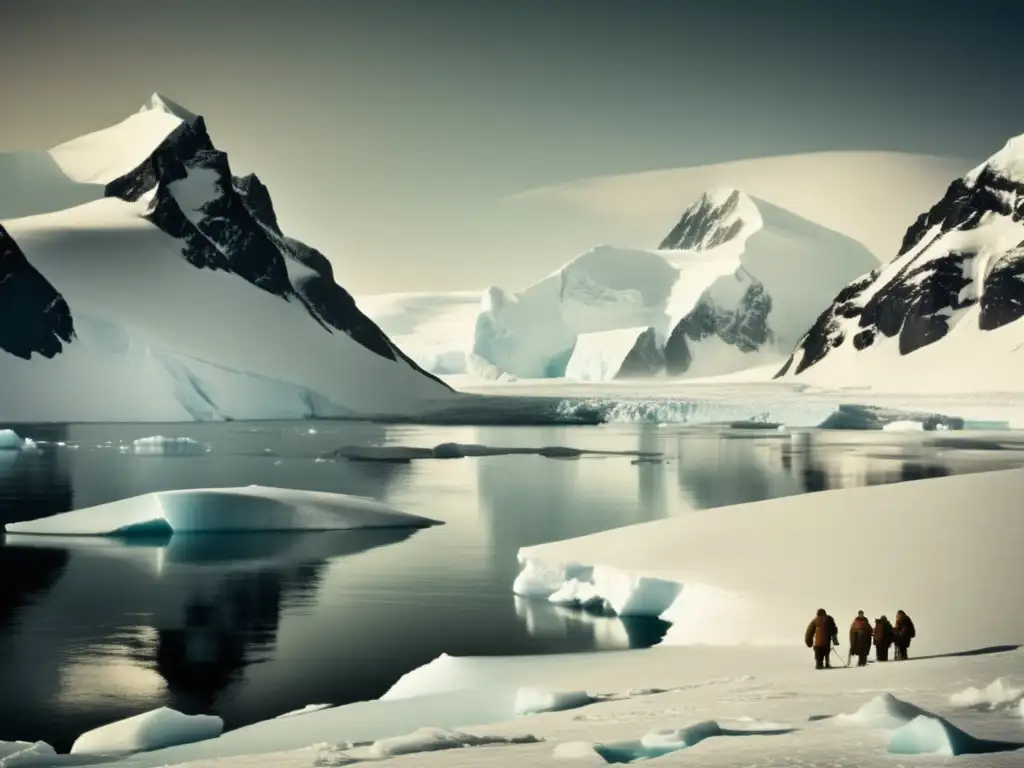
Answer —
209 510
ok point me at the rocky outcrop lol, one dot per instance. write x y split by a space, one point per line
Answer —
34 318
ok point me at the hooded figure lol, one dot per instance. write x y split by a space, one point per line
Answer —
904 632
884 636
821 635
860 639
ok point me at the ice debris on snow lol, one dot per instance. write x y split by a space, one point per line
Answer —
665 741
159 445
18 753
916 731
622 593
932 735
156 729
305 710
996 695
436 739
534 701
251 508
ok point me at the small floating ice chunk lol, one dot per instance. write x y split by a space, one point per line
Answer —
252 508
158 445
10 440
151 730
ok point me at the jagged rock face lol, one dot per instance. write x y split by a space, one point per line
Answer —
236 230
34 318
646 358
744 326
931 282
706 225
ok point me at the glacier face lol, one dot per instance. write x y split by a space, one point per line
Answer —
733 285
177 287
952 294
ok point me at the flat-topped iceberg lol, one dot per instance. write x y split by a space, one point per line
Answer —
209 510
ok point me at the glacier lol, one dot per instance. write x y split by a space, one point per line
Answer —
732 286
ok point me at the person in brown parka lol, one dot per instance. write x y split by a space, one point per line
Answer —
884 636
903 632
821 634
860 639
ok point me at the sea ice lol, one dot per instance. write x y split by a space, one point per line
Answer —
709 573
158 445
306 710
155 729
14 754
252 508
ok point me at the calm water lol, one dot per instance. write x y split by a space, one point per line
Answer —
251 626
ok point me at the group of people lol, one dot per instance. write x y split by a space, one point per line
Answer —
823 635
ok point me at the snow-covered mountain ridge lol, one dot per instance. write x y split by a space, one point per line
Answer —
733 285
177 258
943 313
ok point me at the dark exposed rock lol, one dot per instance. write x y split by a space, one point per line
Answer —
1002 299
931 286
34 318
644 359
744 327
701 226
236 230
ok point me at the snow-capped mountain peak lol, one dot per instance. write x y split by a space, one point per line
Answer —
160 103
719 216
1007 163
174 286
958 275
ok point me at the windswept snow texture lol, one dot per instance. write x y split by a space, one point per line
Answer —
622 354
434 329
155 729
710 574
943 315
206 510
213 278
733 286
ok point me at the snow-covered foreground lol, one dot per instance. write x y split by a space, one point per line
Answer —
755 706
733 680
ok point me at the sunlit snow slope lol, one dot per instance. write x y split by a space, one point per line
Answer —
175 295
945 314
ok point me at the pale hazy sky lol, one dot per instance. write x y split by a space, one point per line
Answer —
387 129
